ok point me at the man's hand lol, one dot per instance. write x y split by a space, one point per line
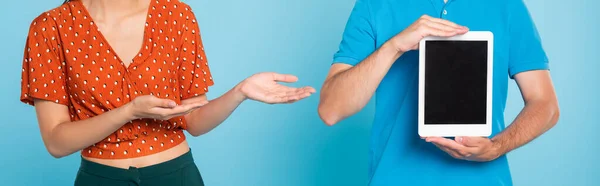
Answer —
425 26
479 149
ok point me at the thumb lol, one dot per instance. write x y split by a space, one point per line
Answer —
288 78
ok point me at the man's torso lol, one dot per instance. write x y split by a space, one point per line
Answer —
397 153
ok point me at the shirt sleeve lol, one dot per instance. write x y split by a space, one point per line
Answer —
358 40
195 74
526 52
43 73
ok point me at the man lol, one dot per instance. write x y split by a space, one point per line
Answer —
378 56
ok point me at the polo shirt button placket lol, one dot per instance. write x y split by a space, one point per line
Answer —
444 12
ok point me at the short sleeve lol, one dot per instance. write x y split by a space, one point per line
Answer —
43 73
194 71
358 40
526 52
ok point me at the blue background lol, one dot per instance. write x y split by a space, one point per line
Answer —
288 144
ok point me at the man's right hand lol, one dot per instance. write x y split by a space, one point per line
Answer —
425 26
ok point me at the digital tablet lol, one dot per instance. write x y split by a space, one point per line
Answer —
455 85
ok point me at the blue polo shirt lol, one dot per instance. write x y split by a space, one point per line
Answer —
397 154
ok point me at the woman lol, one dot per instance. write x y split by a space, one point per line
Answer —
120 81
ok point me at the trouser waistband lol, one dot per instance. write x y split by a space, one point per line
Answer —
137 174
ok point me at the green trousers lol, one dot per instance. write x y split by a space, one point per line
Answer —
181 171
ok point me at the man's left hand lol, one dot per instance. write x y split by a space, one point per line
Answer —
479 149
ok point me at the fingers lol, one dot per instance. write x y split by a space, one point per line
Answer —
430 26
296 94
284 78
164 103
472 141
444 142
450 152
445 22
168 113
430 31
450 144
299 91
290 98
289 95
466 148
310 90
441 26
276 99
189 107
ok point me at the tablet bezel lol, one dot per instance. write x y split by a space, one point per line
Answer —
452 130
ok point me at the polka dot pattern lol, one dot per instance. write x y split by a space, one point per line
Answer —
68 61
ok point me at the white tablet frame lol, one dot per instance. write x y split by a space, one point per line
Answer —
453 130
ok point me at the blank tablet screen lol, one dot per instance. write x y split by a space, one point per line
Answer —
455 82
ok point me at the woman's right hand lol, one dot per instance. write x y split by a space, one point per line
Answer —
149 106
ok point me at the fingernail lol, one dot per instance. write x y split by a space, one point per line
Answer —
459 139
172 104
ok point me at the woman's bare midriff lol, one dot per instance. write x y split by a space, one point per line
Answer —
145 161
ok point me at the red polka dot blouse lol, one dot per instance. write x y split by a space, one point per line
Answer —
68 61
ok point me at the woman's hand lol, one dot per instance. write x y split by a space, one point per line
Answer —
148 106
263 87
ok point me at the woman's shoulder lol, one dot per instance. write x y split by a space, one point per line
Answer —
174 7
174 15
53 18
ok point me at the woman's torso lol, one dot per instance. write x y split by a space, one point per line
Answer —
170 64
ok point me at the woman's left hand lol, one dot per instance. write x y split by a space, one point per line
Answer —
264 87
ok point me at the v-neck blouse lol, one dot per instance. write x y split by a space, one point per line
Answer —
68 61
